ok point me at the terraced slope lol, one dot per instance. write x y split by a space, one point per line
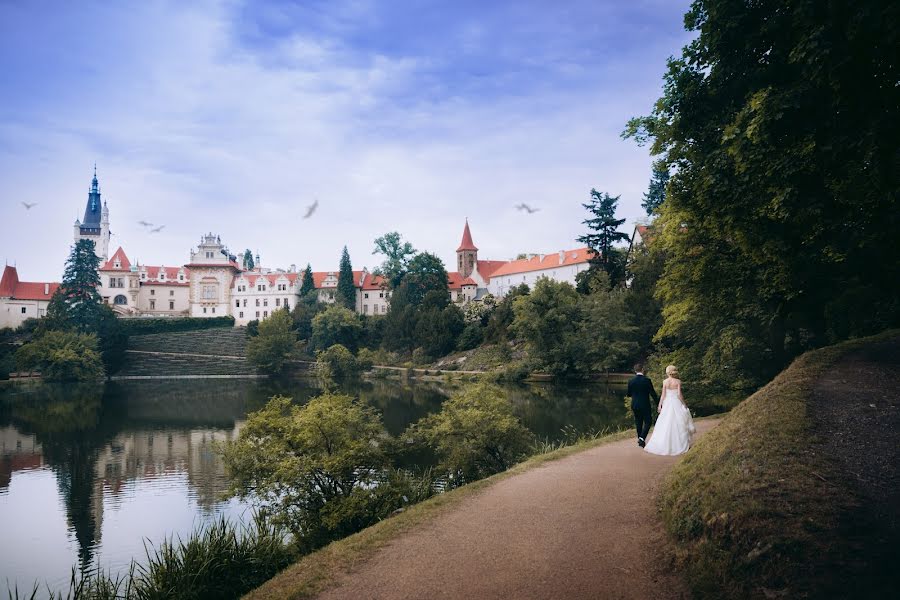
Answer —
187 353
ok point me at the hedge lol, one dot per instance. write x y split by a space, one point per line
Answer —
138 326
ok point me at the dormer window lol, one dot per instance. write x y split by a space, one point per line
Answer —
118 265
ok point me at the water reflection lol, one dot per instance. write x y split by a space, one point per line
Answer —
131 461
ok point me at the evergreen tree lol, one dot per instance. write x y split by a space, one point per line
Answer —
604 234
308 284
657 192
248 259
346 290
78 299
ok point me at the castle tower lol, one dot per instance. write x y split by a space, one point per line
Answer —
95 225
466 254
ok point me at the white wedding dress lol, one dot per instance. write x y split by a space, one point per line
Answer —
674 427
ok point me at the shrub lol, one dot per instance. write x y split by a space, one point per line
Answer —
62 356
335 325
471 337
336 363
276 342
321 469
366 358
139 326
475 434
253 328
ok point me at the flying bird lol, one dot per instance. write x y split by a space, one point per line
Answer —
145 223
525 207
311 209
157 229
28 206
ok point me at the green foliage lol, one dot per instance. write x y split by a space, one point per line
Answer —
253 328
475 434
372 331
248 260
501 317
336 363
304 312
309 284
605 329
77 300
604 234
426 274
276 342
782 201
62 356
645 309
336 325
479 312
143 326
397 255
346 290
317 469
471 337
656 194
400 321
438 330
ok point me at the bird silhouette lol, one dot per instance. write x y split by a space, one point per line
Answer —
29 205
145 223
525 207
311 209
157 229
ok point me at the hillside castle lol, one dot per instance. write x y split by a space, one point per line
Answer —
215 283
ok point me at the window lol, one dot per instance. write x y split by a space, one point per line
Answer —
383 308
257 314
277 301
257 301
265 314
237 303
152 292
204 310
286 303
265 301
245 303
366 295
240 315
162 275
181 278
209 255
120 300
153 305
214 310
171 292
365 309
23 310
210 292
171 305
381 294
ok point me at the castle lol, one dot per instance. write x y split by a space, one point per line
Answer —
213 283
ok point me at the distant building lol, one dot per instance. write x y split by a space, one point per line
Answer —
20 300
95 226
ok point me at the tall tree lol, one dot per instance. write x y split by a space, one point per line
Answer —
346 290
604 234
77 300
248 259
780 222
397 255
656 194
426 274
308 284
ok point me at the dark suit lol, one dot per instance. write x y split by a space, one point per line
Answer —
640 390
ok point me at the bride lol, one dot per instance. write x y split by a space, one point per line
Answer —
674 426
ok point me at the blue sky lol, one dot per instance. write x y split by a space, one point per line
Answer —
233 117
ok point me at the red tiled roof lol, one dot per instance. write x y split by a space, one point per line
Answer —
486 268
549 261
645 231
124 263
456 281
231 264
467 243
11 287
251 277
374 282
319 278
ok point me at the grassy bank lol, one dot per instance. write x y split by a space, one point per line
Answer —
756 509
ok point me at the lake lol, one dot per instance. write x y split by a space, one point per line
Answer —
88 474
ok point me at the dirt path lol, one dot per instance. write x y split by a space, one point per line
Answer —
581 527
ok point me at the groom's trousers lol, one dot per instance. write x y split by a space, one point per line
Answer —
643 418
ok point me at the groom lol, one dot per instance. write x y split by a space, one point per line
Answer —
640 389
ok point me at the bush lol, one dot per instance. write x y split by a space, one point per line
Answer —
253 328
336 363
276 342
366 358
335 325
139 326
475 434
471 337
62 356
321 470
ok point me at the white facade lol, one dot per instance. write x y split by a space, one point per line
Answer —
256 294
562 266
20 300
212 270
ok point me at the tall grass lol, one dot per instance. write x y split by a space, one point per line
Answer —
220 560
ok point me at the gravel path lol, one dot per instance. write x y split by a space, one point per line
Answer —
581 527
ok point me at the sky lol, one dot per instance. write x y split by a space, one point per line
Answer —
233 117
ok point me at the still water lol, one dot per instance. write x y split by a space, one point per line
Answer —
89 474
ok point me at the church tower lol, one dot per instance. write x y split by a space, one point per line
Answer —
466 254
96 221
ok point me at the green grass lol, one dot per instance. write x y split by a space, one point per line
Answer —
754 509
